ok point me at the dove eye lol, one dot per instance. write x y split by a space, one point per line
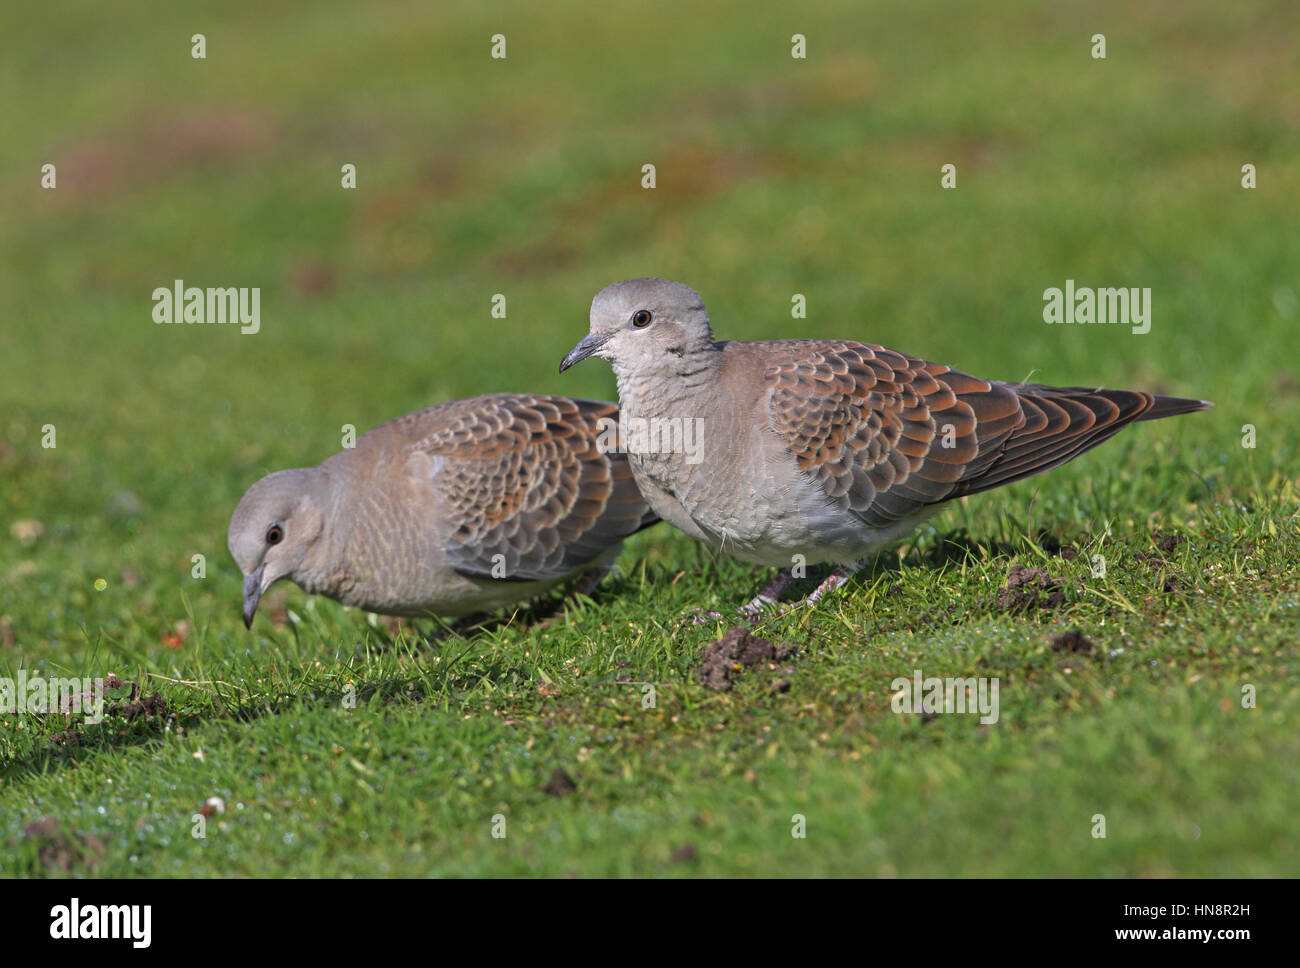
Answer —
274 534
641 318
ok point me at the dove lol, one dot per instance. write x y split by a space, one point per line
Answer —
821 451
452 510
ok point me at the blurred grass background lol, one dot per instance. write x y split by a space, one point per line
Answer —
522 176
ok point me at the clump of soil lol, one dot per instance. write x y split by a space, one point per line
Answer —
1074 641
1165 544
560 784
61 850
111 681
128 708
684 854
734 652
1029 588
1168 543
148 706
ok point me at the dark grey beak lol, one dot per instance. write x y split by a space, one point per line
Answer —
584 349
252 594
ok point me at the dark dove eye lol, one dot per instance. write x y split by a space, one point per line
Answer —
641 318
274 534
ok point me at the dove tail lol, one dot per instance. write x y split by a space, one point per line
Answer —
1059 424
1173 406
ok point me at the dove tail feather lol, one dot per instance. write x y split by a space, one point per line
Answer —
1173 406
1063 422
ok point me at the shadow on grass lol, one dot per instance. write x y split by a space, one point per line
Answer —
59 751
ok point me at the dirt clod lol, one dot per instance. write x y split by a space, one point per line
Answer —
684 854
111 681
61 850
148 706
1030 588
780 685
560 784
737 650
1169 543
1074 641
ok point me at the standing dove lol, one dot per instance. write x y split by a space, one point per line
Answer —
825 449
452 510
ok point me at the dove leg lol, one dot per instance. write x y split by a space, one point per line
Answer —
838 578
770 596
589 581
766 600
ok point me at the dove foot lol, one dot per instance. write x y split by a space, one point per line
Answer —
838 578
700 616
770 597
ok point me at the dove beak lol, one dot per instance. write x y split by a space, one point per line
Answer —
589 345
252 594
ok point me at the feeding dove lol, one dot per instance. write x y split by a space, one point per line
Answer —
821 451
452 510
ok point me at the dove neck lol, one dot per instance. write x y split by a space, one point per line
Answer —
322 501
671 385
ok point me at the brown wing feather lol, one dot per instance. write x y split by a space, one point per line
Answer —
523 476
885 434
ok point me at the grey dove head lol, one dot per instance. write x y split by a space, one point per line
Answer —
275 529
644 325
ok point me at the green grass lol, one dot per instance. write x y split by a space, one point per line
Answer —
775 176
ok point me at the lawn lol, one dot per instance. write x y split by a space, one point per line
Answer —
582 740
